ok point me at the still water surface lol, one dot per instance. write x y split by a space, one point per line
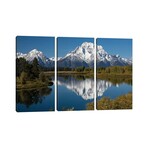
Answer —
41 99
74 92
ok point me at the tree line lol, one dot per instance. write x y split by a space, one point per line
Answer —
115 69
77 69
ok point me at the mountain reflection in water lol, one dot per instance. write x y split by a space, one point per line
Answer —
81 86
84 87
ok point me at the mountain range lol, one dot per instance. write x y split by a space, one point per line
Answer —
104 59
42 59
82 55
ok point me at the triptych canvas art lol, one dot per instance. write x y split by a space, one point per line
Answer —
77 61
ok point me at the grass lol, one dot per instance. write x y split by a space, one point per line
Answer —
121 102
90 106
32 84
49 73
105 103
113 74
73 72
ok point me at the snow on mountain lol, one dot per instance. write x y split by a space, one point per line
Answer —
42 59
85 52
101 51
82 56
53 59
20 55
59 58
36 54
104 59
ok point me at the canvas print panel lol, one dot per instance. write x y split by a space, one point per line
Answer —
75 78
34 73
114 73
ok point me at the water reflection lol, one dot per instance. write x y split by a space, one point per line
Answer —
118 80
114 93
84 87
74 92
102 86
81 86
33 99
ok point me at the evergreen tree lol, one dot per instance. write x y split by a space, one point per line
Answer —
35 68
21 65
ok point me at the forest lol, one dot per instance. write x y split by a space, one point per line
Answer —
115 70
31 75
77 69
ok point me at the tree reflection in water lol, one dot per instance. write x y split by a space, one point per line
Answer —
33 96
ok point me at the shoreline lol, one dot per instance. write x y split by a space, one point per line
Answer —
115 75
33 85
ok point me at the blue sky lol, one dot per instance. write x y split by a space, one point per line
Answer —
67 44
114 46
25 44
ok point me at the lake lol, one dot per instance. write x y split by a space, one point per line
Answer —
74 92
113 88
41 99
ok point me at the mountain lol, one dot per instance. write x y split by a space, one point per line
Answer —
81 56
42 59
53 58
84 56
104 59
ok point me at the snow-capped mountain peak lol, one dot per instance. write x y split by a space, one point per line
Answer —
104 59
83 54
87 45
35 53
20 55
100 50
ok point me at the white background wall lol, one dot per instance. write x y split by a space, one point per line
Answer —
88 18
